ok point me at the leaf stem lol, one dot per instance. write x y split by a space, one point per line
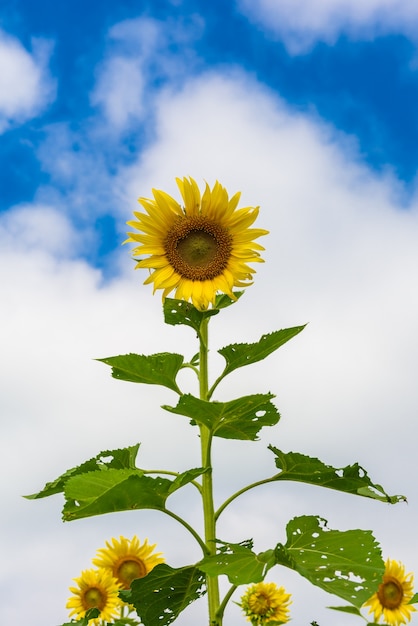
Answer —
228 501
206 436
189 528
215 384
225 601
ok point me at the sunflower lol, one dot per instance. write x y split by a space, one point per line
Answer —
393 595
95 589
199 249
266 603
127 559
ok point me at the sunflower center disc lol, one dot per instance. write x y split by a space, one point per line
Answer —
390 594
129 570
198 248
93 599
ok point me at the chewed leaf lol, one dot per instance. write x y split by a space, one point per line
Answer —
347 564
108 459
240 354
182 312
155 369
238 419
350 479
238 562
164 593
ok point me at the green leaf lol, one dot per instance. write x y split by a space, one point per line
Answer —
108 459
414 599
346 609
350 479
238 562
240 354
156 369
238 419
347 564
182 312
223 300
164 593
96 493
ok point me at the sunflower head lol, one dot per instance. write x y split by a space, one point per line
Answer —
266 603
95 589
126 559
199 248
391 600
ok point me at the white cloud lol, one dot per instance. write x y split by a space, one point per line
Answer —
35 228
341 255
26 86
141 56
120 91
302 23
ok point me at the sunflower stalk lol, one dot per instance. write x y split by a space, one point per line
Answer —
212 582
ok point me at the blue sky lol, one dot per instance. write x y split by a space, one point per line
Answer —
363 86
309 107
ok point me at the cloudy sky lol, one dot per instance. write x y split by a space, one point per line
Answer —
309 108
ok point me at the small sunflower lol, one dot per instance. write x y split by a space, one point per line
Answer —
95 589
127 559
266 603
393 595
199 249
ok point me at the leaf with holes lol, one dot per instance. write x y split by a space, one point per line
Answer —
164 593
238 419
350 479
347 564
239 563
181 312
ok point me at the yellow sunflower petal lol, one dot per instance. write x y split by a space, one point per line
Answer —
199 250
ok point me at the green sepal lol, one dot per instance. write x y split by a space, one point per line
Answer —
414 599
184 313
347 564
237 419
350 479
239 563
108 459
164 593
96 493
353 610
240 354
155 369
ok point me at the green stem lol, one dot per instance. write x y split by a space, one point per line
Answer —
190 529
206 436
227 502
225 601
